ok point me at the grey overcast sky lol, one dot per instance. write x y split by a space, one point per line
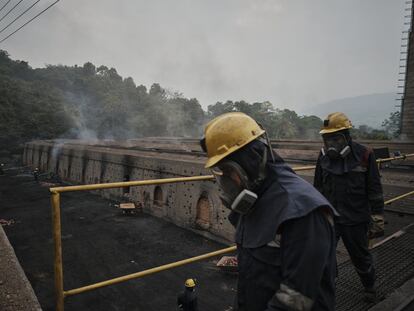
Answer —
294 53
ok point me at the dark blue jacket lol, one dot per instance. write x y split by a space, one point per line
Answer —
187 300
352 186
286 245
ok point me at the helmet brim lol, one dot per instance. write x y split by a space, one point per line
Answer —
217 158
329 131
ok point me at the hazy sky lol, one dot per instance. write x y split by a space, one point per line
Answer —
293 53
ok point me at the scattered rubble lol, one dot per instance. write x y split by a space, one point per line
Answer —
228 264
5 222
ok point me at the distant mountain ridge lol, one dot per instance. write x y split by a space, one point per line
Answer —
370 109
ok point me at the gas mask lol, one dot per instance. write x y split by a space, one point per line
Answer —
234 183
336 146
237 188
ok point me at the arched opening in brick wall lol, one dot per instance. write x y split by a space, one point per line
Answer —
203 213
158 201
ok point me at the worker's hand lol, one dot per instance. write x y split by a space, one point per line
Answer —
376 227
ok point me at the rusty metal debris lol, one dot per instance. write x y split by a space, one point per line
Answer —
228 264
5 222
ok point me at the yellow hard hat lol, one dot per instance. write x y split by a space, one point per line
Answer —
227 133
189 283
335 122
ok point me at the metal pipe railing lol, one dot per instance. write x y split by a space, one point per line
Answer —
379 161
170 265
148 271
56 221
303 168
401 157
124 184
399 197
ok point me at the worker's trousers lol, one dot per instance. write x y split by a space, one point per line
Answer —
355 238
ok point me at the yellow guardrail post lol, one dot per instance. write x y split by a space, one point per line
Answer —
58 267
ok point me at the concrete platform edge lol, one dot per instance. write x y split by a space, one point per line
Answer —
16 293
398 300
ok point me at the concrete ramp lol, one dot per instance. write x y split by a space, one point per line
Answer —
16 293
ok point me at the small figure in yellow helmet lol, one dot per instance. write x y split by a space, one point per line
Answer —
347 175
284 226
187 300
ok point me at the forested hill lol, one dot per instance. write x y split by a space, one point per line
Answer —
96 102
87 102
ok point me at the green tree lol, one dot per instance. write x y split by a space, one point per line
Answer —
392 125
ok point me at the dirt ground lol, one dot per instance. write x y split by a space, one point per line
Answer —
100 243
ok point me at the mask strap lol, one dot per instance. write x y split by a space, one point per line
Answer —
268 143
203 144
262 172
270 149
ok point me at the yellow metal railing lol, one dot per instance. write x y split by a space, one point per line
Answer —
401 157
148 271
379 161
57 231
304 168
56 222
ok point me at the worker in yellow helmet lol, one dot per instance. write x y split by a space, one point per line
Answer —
187 300
347 175
284 228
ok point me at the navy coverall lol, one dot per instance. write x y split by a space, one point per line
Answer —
187 300
353 187
286 245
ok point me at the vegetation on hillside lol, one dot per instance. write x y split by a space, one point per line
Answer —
92 102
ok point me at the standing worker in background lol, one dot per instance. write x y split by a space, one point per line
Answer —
284 226
347 175
187 300
36 174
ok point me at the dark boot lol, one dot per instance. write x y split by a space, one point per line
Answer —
370 294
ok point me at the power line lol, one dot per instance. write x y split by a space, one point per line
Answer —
4 5
29 21
19 16
11 10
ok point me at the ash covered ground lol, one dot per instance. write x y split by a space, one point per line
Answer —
100 243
